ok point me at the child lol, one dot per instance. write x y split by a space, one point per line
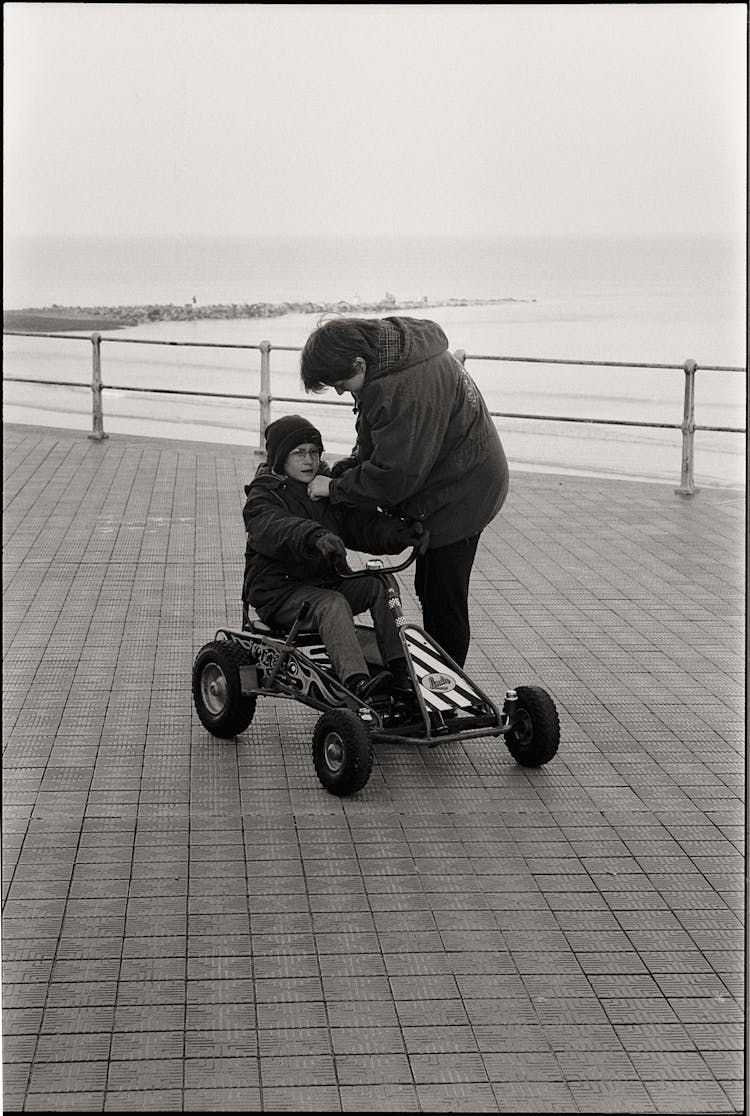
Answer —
292 543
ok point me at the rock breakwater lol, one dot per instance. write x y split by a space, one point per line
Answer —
59 318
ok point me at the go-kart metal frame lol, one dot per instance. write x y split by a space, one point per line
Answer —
238 666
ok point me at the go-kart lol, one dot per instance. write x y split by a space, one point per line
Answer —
237 667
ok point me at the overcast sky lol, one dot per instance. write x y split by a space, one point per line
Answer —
320 118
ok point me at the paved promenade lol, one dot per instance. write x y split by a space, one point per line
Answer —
191 924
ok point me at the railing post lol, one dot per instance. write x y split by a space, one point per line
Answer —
264 395
687 486
97 415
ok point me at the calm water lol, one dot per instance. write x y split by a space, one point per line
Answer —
653 301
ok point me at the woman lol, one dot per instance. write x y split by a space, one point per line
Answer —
427 449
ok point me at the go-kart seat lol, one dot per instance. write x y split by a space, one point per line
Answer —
251 622
309 637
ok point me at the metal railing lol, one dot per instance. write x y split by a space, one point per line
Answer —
265 397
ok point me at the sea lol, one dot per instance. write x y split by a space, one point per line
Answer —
518 307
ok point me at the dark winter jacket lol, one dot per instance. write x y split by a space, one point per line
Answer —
426 446
282 525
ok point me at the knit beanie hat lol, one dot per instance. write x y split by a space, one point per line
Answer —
285 434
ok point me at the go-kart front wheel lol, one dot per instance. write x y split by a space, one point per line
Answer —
535 736
217 691
342 752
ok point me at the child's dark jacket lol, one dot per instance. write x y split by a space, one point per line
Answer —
283 523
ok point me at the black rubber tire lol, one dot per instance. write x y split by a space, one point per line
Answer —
221 706
342 752
536 737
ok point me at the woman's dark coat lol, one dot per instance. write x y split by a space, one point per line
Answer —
427 447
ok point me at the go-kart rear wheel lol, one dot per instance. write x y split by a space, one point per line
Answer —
535 736
217 691
342 752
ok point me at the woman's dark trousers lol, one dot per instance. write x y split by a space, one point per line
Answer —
441 582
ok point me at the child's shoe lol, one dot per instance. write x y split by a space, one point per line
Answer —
365 687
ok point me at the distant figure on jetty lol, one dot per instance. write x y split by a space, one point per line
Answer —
427 449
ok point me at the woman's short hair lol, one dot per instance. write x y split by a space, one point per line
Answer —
331 349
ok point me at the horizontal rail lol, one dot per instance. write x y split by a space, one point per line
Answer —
344 403
49 383
182 344
604 363
265 397
298 349
132 340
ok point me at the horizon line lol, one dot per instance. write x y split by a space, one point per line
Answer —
383 236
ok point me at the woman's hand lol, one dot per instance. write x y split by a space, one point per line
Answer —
318 487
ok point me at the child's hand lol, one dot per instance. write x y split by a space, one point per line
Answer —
318 487
328 543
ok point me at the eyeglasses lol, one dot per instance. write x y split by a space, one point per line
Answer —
302 453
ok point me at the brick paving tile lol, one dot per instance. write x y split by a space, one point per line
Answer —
222 1100
363 1013
309 1069
162 1073
523 1066
221 1043
146 1045
143 1100
291 1015
509 1036
68 1076
192 926
300 1098
367 1040
380 1098
86 1019
469 1097
15 1084
533 1096
221 1072
452 1069
58 1100
268 969
737 1093
688 1096
424 987
443 1039
73 1047
154 1017
617 1096
303 1040
373 1069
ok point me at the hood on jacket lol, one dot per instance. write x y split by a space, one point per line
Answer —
407 341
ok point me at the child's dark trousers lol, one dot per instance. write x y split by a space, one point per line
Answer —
332 615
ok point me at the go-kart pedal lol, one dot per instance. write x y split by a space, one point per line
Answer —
370 688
